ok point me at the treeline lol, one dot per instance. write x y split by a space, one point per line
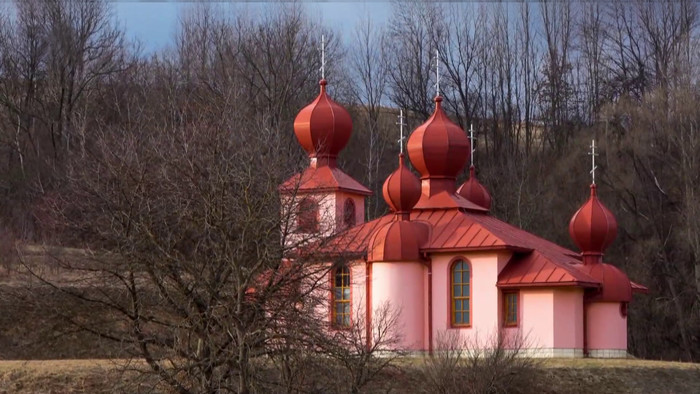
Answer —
537 81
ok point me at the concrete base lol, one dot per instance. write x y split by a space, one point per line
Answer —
608 353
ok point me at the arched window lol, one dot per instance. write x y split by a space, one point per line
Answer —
349 213
307 216
461 293
341 296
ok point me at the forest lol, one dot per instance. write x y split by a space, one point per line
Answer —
92 127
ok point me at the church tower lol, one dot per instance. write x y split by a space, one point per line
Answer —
322 199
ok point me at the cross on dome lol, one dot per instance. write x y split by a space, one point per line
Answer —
593 155
472 145
437 72
323 56
401 125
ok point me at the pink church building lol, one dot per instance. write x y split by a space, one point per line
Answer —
443 260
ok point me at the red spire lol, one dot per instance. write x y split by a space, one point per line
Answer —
593 228
323 128
401 190
474 191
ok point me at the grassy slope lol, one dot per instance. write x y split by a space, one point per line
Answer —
623 376
570 376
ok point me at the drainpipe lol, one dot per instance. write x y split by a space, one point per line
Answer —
429 263
368 300
585 327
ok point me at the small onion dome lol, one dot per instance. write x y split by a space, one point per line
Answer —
615 285
401 189
323 127
474 191
398 240
593 227
438 148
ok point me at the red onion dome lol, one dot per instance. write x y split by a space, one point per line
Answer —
323 127
438 148
615 285
593 227
474 191
401 189
398 240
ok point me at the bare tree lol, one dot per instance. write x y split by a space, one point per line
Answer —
495 365
370 69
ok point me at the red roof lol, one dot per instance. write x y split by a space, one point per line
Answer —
322 179
536 262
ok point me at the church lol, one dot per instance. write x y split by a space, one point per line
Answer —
443 260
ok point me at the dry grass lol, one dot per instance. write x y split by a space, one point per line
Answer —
72 376
621 376
565 375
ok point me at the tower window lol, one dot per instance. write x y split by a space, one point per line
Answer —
510 309
341 296
461 293
349 213
307 216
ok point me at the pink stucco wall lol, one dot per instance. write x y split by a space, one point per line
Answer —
537 317
331 211
568 318
401 285
339 206
552 318
485 299
607 328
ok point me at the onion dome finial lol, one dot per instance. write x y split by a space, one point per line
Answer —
438 148
401 190
474 191
593 228
323 128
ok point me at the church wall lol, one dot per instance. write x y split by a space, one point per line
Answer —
537 313
358 293
568 318
485 296
400 284
339 206
607 329
327 213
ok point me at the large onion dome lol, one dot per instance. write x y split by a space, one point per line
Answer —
593 228
323 128
401 189
474 191
438 148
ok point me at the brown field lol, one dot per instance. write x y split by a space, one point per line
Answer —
568 376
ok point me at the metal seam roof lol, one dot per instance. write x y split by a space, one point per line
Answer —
536 262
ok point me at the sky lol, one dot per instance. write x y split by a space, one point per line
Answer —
154 23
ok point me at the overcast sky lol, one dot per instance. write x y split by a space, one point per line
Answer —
154 23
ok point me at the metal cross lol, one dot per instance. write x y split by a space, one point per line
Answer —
437 71
593 155
323 57
471 143
401 125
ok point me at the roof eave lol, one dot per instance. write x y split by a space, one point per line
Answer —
512 248
548 284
